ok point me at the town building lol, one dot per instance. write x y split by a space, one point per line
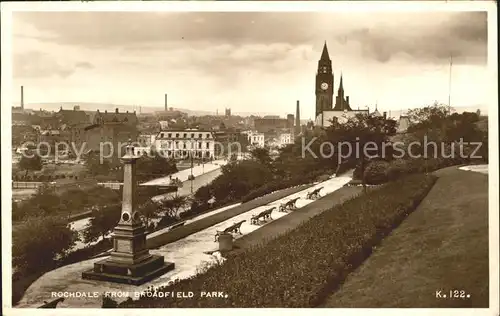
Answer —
71 124
326 113
50 138
22 134
272 125
72 117
146 140
185 143
21 119
125 118
255 139
230 141
285 139
110 132
145 144
403 124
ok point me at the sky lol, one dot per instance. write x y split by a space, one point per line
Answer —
248 61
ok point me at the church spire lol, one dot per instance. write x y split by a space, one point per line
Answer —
341 85
324 54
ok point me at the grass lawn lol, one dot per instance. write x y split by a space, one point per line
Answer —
442 245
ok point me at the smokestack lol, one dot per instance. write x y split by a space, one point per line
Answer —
166 103
22 98
297 119
385 115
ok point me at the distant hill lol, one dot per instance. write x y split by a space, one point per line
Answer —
92 107
87 106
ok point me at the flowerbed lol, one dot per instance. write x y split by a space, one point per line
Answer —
300 268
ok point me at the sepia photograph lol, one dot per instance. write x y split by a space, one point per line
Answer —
250 155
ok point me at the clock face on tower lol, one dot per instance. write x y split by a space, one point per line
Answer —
324 86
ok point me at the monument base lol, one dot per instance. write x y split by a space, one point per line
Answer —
135 274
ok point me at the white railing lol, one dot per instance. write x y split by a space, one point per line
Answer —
111 185
29 185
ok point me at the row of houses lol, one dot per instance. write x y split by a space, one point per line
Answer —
206 144
75 130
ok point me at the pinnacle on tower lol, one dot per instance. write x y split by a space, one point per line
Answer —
341 85
324 54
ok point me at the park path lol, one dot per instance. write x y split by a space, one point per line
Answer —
184 174
294 218
442 245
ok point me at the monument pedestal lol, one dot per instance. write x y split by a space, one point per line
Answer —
137 274
130 262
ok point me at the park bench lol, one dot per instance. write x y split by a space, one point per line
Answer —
314 194
177 225
235 228
264 215
52 304
290 205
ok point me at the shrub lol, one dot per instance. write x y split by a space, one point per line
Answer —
53 237
397 169
298 269
377 172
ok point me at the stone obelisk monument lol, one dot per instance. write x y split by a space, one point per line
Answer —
130 261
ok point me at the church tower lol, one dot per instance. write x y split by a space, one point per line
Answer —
324 83
342 101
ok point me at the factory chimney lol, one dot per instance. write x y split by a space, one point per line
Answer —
22 98
297 119
166 103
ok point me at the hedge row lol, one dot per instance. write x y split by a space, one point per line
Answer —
282 184
300 268
378 172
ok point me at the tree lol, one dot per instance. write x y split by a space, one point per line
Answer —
37 241
149 210
95 166
462 126
44 202
99 196
154 166
429 117
33 163
237 179
171 206
103 220
435 124
359 132
261 155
